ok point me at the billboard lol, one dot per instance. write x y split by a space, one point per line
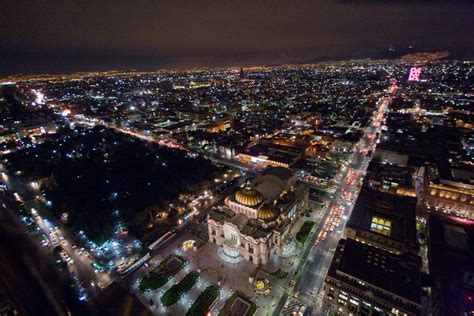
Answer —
414 74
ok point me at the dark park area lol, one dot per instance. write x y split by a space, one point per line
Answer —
99 180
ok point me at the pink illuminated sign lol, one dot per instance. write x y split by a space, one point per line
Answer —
414 74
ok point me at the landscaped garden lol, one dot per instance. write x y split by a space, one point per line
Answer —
304 231
162 274
279 274
204 301
238 305
174 294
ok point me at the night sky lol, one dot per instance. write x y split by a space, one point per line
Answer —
64 36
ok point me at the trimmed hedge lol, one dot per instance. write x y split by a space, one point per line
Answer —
161 275
279 274
204 301
173 295
304 231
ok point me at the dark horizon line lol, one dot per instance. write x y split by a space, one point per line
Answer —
226 65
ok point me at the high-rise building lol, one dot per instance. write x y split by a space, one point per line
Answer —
364 280
242 74
384 220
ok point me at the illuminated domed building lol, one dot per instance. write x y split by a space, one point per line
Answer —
253 222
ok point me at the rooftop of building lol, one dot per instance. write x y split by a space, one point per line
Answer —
284 174
428 149
177 125
437 142
451 257
396 274
246 226
396 212
451 170
402 176
268 187
274 152
451 235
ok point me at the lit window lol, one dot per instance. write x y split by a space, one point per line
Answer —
381 226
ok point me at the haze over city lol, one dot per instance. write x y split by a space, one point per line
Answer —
66 36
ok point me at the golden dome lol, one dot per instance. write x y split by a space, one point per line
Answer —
248 196
267 212
260 284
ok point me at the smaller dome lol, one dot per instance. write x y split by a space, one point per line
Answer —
267 213
248 196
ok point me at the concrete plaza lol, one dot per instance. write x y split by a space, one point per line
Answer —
229 277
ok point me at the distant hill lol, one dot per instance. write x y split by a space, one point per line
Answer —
424 57
406 53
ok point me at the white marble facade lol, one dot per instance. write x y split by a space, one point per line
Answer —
254 220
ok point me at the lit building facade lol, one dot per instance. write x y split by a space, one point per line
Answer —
273 155
450 190
457 198
36 129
